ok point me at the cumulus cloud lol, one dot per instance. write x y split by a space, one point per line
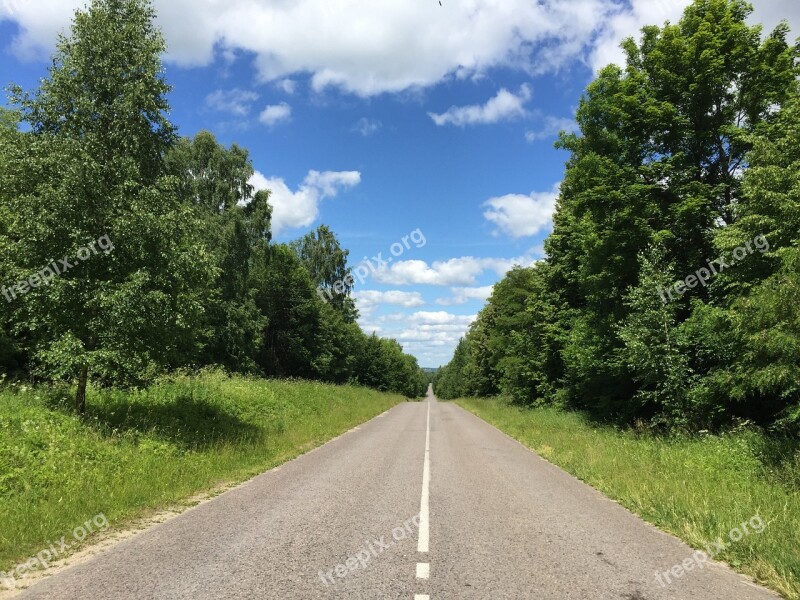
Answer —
363 47
368 301
367 127
462 271
502 107
434 329
451 272
300 208
236 102
275 113
628 21
359 47
431 336
288 86
462 295
520 216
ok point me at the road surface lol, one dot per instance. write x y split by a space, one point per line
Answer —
424 502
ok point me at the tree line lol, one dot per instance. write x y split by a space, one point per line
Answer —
189 276
670 291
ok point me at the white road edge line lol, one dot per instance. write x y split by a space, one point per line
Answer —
424 505
421 597
423 570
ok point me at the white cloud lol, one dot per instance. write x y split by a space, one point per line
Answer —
357 46
431 336
550 128
462 271
289 86
462 295
364 47
440 318
275 113
520 216
368 301
237 102
502 107
429 333
629 22
300 208
451 272
367 127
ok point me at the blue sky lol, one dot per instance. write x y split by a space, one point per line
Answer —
381 119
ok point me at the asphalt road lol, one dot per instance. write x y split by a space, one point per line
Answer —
425 501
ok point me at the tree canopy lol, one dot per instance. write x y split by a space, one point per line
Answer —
165 252
684 158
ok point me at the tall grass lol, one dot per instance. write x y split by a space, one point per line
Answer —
697 488
141 451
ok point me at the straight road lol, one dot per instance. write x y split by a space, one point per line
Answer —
425 502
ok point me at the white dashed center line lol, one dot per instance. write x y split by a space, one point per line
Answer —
424 506
423 570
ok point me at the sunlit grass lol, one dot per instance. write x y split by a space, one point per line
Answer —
142 451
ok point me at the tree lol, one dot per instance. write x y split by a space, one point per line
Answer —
452 380
13 155
532 364
663 143
758 377
660 180
236 227
326 261
651 345
287 298
99 133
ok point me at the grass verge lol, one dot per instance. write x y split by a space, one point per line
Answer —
698 489
143 451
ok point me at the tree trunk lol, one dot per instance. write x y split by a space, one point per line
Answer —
80 395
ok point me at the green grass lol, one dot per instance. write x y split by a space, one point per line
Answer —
139 452
698 489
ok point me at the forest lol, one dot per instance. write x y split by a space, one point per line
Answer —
669 293
128 251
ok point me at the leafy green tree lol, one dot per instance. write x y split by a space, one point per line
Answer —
99 133
659 159
660 180
13 158
452 380
757 377
326 261
532 363
288 299
339 346
237 230
651 345
385 367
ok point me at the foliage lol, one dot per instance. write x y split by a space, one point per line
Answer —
150 449
326 261
187 276
94 167
686 154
